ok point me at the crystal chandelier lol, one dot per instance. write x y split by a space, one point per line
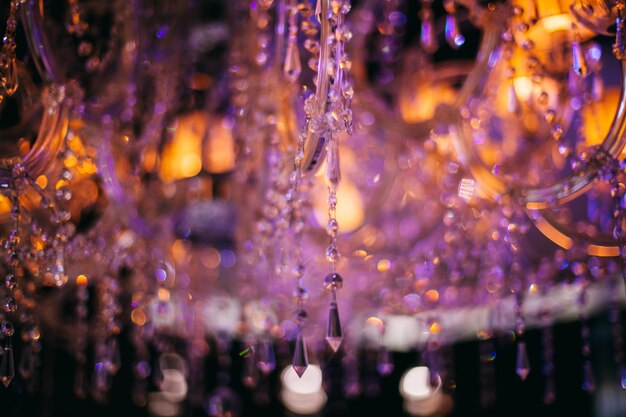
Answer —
300 192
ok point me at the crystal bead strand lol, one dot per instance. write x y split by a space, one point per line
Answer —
292 67
295 199
588 383
9 305
618 194
8 64
81 335
616 331
522 363
309 28
549 392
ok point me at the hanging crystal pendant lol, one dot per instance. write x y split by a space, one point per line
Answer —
453 36
11 78
623 376
589 381
7 368
579 64
522 364
334 334
28 362
266 357
384 363
250 373
115 356
293 66
300 358
428 39
513 105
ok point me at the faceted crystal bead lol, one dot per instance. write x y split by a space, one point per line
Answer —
7 328
333 280
7 369
334 334
300 317
522 364
9 305
300 358
623 376
10 282
579 63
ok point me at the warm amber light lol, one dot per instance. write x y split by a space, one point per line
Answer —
82 280
163 294
138 317
350 206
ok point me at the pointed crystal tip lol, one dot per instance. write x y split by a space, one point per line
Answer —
522 373
334 342
522 365
6 381
300 370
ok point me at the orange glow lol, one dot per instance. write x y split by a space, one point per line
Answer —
138 317
163 294
82 280
432 295
435 328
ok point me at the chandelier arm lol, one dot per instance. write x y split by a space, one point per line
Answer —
39 46
494 187
49 139
315 142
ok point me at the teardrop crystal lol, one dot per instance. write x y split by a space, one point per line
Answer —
28 362
453 36
115 356
333 168
384 364
334 334
579 64
623 376
7 369
513 104
522 364
428 40
293 66
250 372
318 10
300 358
11 78
589 381
266 357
